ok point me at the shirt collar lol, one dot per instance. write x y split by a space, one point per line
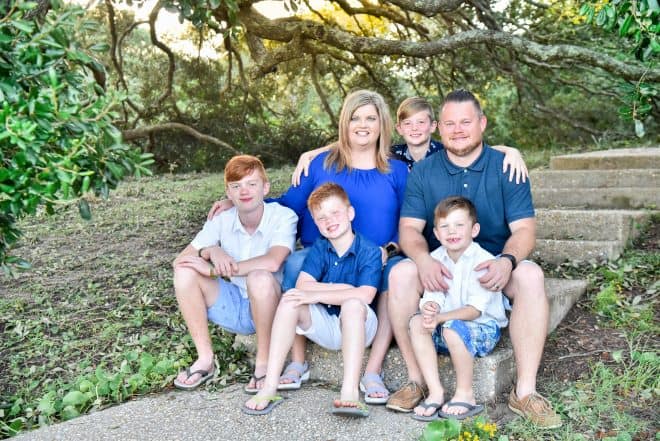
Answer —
351 249
478 165
467 254
238 227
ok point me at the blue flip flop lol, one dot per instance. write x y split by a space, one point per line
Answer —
472 409
434 416
273 402
299 375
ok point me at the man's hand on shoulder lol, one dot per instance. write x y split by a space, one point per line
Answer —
498 273
432 274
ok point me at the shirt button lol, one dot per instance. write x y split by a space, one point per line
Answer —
464 185
465 170
335 263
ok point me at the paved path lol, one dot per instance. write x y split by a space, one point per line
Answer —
200 415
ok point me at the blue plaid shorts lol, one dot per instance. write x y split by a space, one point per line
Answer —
479 338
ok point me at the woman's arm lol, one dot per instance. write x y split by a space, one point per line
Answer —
303 163
513 161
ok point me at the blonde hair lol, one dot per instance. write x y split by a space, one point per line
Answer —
340 152
410 106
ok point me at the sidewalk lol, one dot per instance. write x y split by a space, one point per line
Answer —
304 415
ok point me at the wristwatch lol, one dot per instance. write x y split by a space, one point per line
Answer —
512 258
391 249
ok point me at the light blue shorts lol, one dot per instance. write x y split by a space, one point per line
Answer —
479 338
231 311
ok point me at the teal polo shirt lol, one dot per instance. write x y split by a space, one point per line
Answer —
498 201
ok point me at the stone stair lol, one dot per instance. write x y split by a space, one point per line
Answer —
587 208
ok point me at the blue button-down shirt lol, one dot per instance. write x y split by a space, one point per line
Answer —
498 201
360 265
402 153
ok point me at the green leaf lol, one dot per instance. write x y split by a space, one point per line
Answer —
84 209
74 398
639 129
623 30
442 430
100 47
601 18
23 25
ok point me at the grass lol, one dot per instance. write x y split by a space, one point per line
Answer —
95 323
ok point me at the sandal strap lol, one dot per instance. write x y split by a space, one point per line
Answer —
298 368
373 383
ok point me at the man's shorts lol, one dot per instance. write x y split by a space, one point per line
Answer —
479 338
325 329
231 311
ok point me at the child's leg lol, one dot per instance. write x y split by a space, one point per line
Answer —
463 363
194 294
353 317
427 359
465 340
288 315
264 294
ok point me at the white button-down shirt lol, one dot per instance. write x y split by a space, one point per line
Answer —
464 288
277 228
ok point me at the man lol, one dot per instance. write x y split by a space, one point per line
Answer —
471 169
247 244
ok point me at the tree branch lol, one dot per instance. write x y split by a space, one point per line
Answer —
144 132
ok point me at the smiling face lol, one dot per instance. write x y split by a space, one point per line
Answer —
461 128
364 127
248 193
456 231
333 217
416 130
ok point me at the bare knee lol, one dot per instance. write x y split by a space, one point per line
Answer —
353 309
184 277
527 283
415 325
403 282
261 284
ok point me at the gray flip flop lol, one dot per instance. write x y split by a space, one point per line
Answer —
434 416
204 376
273 402
472 409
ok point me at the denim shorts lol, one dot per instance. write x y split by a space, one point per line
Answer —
231 311
479 338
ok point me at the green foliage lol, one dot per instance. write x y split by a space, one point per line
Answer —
58 141
472 429
637 21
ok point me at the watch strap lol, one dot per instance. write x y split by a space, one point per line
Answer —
511 258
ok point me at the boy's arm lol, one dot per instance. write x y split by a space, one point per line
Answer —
466 313
332 293
513 161
271 261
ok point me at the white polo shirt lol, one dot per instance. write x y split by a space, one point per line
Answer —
277 228
464 287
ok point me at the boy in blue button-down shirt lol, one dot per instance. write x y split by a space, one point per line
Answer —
330 304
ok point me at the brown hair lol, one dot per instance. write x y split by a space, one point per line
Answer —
463 96
240 166
340 152
410 106
452 203
325 191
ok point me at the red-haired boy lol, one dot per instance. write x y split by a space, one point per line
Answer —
246 244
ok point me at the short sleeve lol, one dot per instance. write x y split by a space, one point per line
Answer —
315 263
285 223
209 234
517 200
370 267
413 201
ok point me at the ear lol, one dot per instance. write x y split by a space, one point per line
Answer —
434 125
266 187
483 122
398 129
475 229
351 213
436 233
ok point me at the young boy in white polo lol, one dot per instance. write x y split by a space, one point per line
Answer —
330 304
465 321
246 244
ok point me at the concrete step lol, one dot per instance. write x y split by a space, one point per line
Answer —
558 251
643 157
493 374
621 225
575 179
625 198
